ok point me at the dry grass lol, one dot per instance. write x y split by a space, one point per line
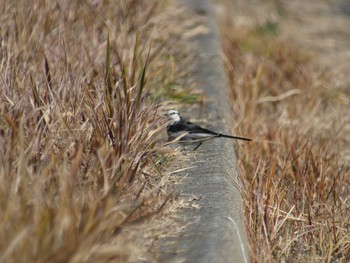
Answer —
80 132
296 177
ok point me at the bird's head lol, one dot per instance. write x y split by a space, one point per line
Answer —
173 116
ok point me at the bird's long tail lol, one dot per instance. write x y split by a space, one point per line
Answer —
233 137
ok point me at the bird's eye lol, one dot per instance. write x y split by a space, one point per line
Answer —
172 113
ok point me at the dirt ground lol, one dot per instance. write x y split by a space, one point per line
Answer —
320 27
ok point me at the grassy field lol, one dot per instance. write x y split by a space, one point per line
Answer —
80 131
295 179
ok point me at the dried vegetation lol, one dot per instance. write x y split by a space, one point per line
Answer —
80 133
296 176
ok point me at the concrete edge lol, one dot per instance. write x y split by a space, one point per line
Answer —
217 232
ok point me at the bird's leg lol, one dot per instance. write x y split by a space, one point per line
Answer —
199 144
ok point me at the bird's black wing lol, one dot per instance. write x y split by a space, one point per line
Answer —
187 126
193 128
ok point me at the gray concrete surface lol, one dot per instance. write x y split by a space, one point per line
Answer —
217 233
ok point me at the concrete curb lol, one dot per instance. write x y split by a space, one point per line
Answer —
218 232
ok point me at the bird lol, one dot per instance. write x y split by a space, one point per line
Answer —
187 132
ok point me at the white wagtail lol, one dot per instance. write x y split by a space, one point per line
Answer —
187 132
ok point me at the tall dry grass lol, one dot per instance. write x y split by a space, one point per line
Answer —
80 131
296 176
